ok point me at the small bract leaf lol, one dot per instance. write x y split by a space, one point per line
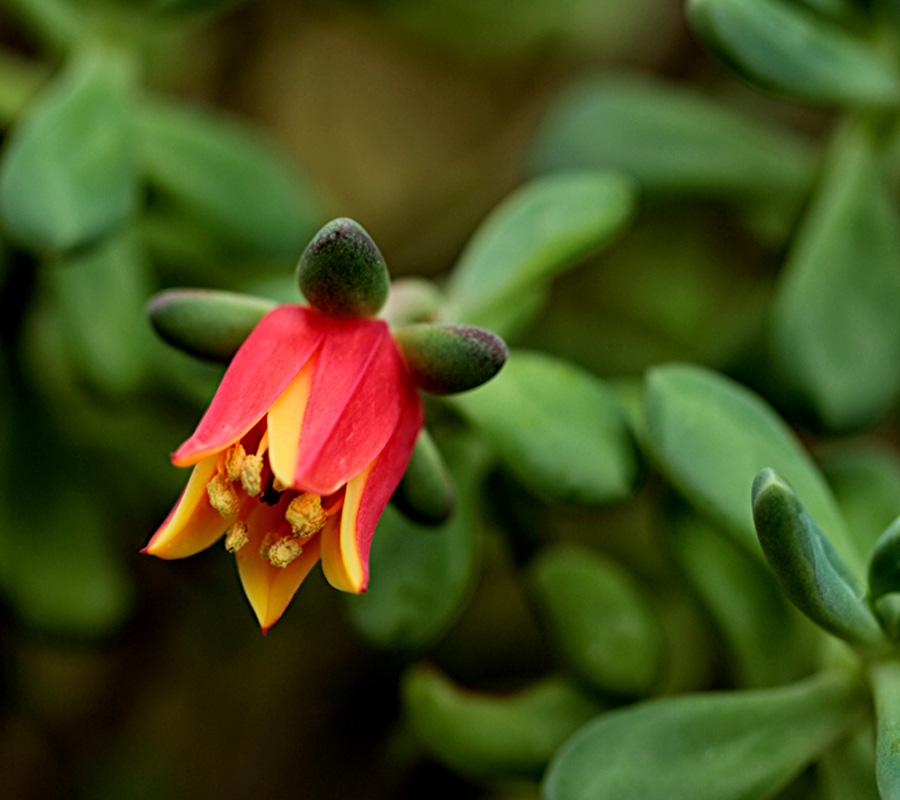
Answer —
205 323
342 273
711 436
836 333
598 618
558 428
493 736
715 746
543 228
68 176
808 568
426 493
790 49
411 300
445 359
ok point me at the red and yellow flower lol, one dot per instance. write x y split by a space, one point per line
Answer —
297 456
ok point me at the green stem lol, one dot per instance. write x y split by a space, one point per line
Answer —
885 678
56 21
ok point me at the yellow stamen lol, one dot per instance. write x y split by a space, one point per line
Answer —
284 551
251 475
236 537
234 459
277 485
263 444
222 496
305 515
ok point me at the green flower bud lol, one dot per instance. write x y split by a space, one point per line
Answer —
205 323
426 494
444 359
342 273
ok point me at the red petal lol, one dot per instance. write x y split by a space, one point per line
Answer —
345 551
193 524
260 371
353 407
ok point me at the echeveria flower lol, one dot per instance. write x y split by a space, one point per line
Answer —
314 422
285 500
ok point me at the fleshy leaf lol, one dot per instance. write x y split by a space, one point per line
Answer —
445 359
206 323
421 577
342 273
599 618
411 300
884 563
715 746
426 493
68 174
809 569
845 771
672 141
557 428
712 436
885 678
836 333
492 736
542 229
788 49
226 175
864 475
769 642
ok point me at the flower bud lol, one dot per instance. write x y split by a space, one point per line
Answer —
444 359
342 273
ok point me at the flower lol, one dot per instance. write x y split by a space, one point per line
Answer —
297 455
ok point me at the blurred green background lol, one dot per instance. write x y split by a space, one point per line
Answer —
124 676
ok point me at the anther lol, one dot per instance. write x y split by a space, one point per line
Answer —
284 551
266 544
222 496
234 459
236 537
305 515
251 475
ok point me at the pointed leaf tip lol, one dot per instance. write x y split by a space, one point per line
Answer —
205 323
445 359
342 273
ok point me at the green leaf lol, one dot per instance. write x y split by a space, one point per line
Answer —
809 569
711 436
492 736
599 619
836 333
557 428
884 577
885 678
543 228
426 493
795 51
672 141
865 478
717 746
768 642
229 175
205 323
99 296
68 176
421 575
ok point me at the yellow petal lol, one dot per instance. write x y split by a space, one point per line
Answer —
193 524
341 560
285 422
269 589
